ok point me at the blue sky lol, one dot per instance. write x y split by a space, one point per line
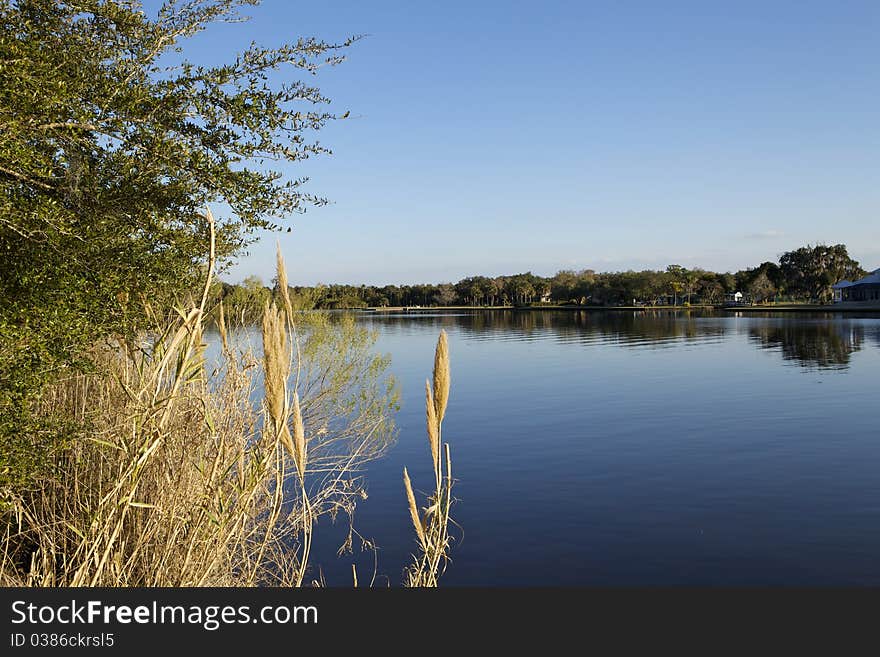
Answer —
499 137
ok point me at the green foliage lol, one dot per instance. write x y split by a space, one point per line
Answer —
346 389
108 155
810 271
805 274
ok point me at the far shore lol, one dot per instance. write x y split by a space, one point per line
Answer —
758 308
808 308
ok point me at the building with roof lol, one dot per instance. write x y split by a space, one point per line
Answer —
864 290
838 288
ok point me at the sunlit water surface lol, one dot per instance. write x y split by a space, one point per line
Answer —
636 449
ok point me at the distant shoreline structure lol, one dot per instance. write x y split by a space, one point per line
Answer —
802 281
756 308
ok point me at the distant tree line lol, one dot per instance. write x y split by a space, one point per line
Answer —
803 275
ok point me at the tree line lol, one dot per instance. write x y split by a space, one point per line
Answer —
803 275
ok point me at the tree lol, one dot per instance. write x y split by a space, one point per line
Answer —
584 287
520 287
727 281
489 288
676 277
445 294
761 287
710 286
469 290
244 302
810 271
690 279
711 290
562 285
108 157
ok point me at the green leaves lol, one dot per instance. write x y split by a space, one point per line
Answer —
108 155
810 271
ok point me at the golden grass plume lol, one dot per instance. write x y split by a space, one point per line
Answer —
281 272
433 529
413 509
433 427
276 366
299 438
441 375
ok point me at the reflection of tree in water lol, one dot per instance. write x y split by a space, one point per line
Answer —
872 330
826 345
647 327
640 328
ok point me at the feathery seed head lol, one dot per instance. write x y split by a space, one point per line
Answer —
413 510
276 369
299 437
433 428
441 376
281 272
224 338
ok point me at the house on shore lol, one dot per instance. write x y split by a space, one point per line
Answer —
864 290
838 288
732 299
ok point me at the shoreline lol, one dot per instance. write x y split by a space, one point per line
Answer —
807 308
418 309
784 308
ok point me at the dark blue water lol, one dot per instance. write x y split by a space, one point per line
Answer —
637 449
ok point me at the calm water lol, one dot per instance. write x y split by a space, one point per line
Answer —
639 449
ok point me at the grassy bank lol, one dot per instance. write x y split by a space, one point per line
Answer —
196 471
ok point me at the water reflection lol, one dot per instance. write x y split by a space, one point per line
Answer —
824 341
649 448
825 345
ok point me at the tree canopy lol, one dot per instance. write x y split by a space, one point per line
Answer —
804 274
810 271
111 145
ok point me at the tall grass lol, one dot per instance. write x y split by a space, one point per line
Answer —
189 477
432 522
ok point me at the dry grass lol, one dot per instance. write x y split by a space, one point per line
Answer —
189 477
432 526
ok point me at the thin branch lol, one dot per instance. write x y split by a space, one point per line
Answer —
23 178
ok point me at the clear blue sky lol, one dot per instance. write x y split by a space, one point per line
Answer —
499 137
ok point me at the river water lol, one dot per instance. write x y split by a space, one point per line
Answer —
621 448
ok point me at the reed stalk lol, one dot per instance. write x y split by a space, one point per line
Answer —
432 526
181 478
